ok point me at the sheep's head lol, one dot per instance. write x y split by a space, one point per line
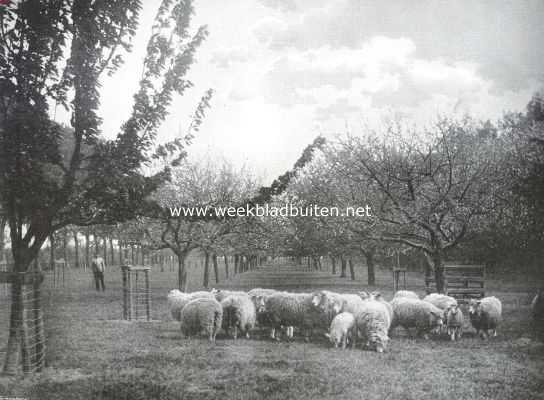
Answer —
260 304
436 318
363 294
336 341
338 305
378 342
474 308
316 299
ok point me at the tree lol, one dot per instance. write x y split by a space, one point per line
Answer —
55 52
431 185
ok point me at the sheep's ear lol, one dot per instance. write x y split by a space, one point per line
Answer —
327 335
364 294
377 295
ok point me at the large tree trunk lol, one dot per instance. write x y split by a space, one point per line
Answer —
206 281
65 246
182 272
225 257
438 264
3 221
112 251
236 263
343 272
13 353
333 261
52 251
76 250
351 269
22 258
105 249
215 268
87 249
370 267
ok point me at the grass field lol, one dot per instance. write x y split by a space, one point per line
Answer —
92 354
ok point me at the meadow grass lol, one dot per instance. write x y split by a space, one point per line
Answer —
93 354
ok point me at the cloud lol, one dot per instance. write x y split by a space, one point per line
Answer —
389 71
224 58
503 37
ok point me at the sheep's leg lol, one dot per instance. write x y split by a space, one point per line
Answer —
344 340
273 333
235 332
494 333
354 334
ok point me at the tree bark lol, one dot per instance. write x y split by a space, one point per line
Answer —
105 249
87 249
225 257
215 268
112 251
236 263
333 261
370 267
206 281
76 250
351 269
438 261
344 265
52 251
65 246
182 272
13 350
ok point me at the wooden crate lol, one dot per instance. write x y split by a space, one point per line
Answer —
463 282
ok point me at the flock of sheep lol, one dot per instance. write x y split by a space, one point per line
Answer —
344 318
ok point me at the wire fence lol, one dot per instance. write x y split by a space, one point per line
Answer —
21 315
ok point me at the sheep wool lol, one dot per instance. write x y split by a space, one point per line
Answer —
454 322
372 325
333 303
221 295
341 330
177 300
440 300
419 314
201 315
406 293
238 314
485 315
294 310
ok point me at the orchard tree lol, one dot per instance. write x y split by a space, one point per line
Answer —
430 185
185 220
56 52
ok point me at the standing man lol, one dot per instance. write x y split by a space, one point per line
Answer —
98 266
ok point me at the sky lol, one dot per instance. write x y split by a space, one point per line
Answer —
285 71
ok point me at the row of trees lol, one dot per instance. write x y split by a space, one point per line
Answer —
460 189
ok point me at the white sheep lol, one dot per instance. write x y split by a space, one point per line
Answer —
331 303
405 293
485 315
220 294
440 300
201 315
454 322
341 330
419 314
537 313
256 292
379 297
372 325
177 300
238 313
293 310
